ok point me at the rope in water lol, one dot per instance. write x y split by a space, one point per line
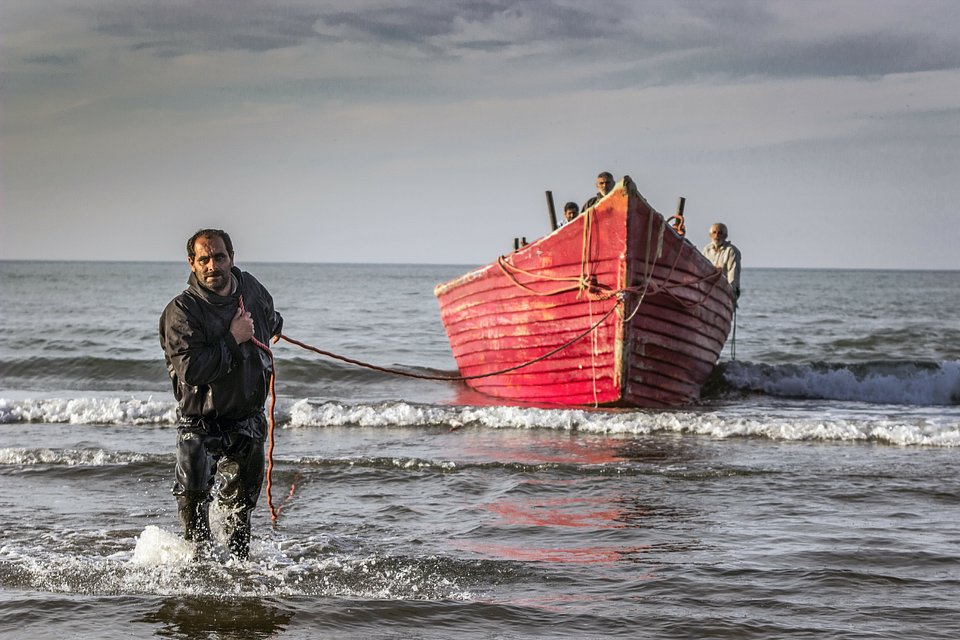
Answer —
276 509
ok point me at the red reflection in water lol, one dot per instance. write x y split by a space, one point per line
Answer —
559 512
578 555
527 449
583 452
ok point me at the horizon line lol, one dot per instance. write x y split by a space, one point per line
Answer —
439 264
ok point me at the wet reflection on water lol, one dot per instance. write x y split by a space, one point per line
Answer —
219 618
586 512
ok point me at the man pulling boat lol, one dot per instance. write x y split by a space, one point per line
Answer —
220 380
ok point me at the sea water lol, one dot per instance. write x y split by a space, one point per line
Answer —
812 493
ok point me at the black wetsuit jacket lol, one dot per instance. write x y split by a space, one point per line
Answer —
214 378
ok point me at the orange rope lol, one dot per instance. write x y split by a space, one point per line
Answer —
540 276
586 281
585 273
503 264
275 510
677 223
398 372
589 284
666 287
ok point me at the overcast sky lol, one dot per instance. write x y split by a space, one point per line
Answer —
825 134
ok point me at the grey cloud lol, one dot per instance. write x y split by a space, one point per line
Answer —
570 44
168 28
867 54
54 59
549 20
857 55
680 40
410 25
738 40
174 28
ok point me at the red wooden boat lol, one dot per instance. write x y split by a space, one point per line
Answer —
613 308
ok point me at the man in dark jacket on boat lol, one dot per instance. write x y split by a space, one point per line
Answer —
220 380
605 184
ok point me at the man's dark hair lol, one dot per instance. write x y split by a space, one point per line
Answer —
209 233
607 175
571 206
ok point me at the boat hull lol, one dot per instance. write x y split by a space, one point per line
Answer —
613 308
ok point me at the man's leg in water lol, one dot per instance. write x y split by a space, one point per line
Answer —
241 478
194 479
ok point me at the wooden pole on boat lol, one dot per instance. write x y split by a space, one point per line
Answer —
552 211
677 221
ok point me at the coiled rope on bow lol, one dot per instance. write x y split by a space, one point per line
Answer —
587 282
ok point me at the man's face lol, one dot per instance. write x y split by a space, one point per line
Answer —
569 214
211 264
604 185
716 235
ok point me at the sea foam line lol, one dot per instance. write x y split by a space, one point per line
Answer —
87 411
869 424
70 458
795 420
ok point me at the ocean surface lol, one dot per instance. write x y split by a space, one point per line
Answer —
813 493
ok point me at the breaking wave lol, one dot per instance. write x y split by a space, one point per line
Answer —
906 383
88 410
865 423
890 424
901 403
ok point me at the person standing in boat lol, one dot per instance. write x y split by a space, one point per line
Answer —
570 211
605 184
220 380
724 255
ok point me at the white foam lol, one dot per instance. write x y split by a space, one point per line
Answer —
70 457
87 410
882 403
861 422
156 546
